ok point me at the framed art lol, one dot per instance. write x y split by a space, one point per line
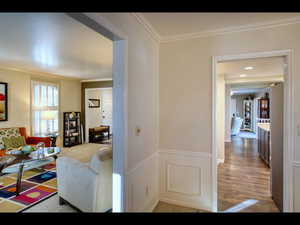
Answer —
3 102
94 103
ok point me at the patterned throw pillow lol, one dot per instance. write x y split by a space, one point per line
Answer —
8 132
14 142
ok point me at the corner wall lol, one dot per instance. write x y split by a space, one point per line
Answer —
141 159
186 88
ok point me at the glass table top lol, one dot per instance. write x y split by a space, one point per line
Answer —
38 158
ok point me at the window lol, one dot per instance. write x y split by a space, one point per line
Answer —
44 108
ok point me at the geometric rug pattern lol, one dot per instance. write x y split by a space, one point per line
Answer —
36 186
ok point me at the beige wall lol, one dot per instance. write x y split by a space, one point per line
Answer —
186 83
19 85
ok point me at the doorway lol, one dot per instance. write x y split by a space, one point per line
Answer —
287 124
120 44
98 115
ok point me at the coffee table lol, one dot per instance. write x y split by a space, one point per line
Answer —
27 162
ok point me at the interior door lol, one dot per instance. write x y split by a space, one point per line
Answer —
276 116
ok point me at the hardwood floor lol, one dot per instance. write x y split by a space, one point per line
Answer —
163 207
243 179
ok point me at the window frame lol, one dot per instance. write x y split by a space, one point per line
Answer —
46 82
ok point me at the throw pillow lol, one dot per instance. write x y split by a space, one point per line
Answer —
14 142
8 132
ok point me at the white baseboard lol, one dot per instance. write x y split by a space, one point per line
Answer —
144 174
183 203
152 205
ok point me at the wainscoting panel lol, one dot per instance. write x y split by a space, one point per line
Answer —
142 188
185 178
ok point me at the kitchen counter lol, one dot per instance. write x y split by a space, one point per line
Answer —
265 126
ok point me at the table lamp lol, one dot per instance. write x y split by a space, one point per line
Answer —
48 115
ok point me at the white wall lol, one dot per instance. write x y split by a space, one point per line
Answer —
186 68
141 161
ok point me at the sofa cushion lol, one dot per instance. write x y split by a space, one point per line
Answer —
8 132
13 142
98 160
84 152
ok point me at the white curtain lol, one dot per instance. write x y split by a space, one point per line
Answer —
44 98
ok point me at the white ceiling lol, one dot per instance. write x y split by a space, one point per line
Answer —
243 91
174 24
53 43
262 67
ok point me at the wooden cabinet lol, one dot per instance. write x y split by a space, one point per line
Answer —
72 129
263 107
263 136
248 115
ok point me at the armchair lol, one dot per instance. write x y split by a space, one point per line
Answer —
86 186
34 140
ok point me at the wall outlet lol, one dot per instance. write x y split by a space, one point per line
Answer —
147 190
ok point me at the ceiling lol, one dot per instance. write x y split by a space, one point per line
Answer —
174 24
244 91
262 67
53 43
249 88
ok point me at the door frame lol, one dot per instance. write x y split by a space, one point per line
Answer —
289 137
101 25
86 109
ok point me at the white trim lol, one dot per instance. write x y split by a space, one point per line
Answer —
148 27
181 203
185 153
133 176
229 30
258 26
152 206
194 191
296 163
288 123
141 163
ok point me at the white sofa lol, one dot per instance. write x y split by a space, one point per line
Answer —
86 186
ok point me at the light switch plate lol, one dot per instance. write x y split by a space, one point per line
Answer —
137 131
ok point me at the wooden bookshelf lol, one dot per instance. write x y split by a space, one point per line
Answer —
72 129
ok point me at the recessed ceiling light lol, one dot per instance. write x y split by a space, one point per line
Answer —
243 75
249 68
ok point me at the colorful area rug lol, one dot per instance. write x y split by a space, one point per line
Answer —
36 186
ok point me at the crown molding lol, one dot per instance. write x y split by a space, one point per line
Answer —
165 39
149 28
39 73
250 27
95 80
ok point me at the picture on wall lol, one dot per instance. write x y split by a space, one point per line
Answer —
3 101
94 103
